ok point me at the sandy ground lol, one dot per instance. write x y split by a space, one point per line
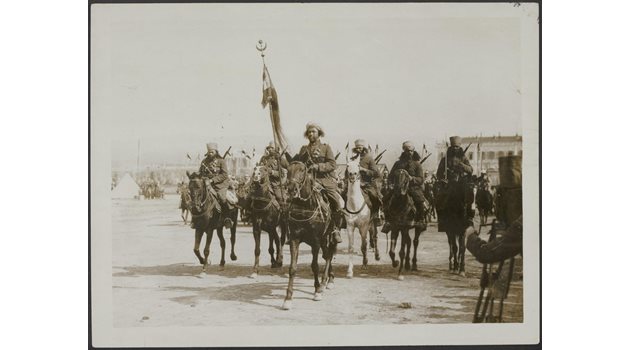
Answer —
157 280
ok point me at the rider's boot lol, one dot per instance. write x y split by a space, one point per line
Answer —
337 217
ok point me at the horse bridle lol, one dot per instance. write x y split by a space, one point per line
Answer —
204 201
300 186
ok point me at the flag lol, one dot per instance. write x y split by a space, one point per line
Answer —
270 97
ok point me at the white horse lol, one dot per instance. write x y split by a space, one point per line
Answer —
357 215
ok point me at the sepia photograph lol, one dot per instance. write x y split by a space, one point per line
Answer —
314 174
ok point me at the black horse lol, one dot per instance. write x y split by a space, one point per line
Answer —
453 218
309 221
206 217
484 200
266 215
399 212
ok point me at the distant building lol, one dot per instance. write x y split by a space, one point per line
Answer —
484 152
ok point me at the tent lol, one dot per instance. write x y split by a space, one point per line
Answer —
126 188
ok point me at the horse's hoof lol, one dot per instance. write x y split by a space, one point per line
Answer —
253 275
377 257
317 297
287 305
222 264
401 277
414 268
395 263
364 267
462 273
330 285
233 257
350 274
279 264
407 267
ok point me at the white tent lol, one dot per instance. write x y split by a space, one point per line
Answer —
127 188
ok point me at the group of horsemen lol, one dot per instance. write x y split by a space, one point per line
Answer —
453 170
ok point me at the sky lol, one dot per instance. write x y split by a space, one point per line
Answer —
178 76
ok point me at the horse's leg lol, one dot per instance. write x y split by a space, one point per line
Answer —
206 250
270 249
407 238
403 242
462 254
450 250
233 256
222 242
364 231
374 232
350 253
416 241
392 246
293 248
256 231
278 246
455 252
315 268
198 237
330 282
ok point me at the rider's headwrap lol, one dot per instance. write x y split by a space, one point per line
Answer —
310 126
408 146
212 146
456 141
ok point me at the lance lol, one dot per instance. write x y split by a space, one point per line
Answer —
425 158
227 152
467 147
379 156
337 155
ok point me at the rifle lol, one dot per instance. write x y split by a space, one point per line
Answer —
425 158
337 155
227 152
379 156
467 147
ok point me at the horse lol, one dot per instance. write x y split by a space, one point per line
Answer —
400 215
357 215
266 215
452 211
206 217
184 202
430 201
310 221
483 201
242 191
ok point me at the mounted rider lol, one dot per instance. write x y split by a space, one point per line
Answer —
369 175
214 172
409 160
277 166
455 171
320 159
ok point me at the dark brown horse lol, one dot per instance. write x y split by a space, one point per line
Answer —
309 219
184 201
205 216
266 216
399 212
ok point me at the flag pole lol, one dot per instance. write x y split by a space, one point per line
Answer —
262 46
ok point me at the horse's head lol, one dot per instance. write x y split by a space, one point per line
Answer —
297 177
197 189
260 174
401 181
353 172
